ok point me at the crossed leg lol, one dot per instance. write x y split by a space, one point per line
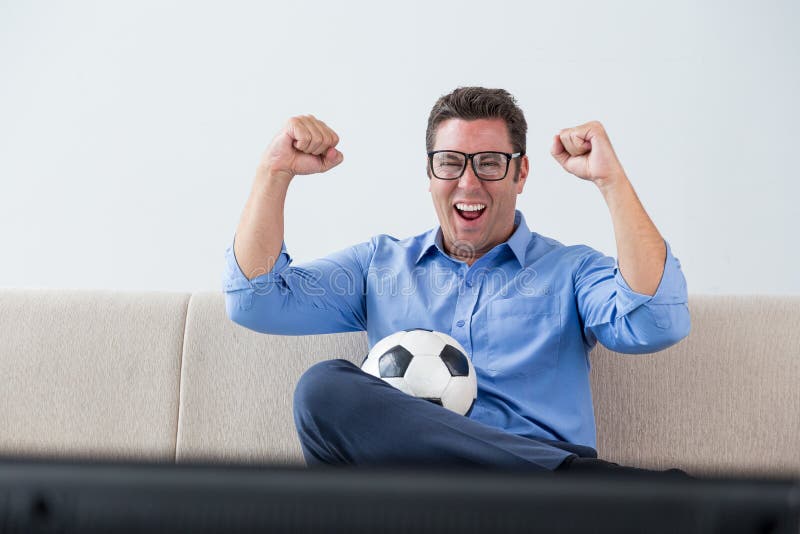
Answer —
345 416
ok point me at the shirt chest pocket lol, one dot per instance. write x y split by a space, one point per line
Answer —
524 335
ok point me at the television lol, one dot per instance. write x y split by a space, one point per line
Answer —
65 496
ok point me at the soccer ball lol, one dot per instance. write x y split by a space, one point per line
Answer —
425 364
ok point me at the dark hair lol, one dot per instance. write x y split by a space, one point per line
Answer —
471 103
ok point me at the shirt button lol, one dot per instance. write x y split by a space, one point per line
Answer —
460 323
469 283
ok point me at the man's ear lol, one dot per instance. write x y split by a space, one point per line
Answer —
524 169
428 172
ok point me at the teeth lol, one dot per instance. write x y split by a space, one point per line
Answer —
470 207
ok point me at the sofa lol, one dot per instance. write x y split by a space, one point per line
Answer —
168 377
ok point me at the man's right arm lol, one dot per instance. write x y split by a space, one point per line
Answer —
259 235
323 296
304 146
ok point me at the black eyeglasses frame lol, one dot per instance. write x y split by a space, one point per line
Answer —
470 158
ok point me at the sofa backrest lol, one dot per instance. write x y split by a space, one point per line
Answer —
168 376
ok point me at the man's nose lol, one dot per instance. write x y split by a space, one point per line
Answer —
468 180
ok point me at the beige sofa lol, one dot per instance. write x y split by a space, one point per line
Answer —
168 377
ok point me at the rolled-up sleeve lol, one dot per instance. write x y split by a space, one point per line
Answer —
323 296
624 320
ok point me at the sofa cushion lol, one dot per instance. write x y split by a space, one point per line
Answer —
237 386
90 373
725 400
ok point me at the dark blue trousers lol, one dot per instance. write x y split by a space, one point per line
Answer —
345 416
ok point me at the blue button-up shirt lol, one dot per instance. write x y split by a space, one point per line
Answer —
528 313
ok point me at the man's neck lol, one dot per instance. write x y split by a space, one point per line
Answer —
470 256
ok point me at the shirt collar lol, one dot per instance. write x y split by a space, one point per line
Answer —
518 242
433 238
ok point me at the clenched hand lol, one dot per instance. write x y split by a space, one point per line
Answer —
305 145
586 152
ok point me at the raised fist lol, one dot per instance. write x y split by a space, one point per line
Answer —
586 152
305 145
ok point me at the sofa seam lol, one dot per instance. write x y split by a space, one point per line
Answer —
180 377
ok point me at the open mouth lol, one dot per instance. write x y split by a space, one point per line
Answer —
470 212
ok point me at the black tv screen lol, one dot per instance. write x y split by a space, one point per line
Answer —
80 496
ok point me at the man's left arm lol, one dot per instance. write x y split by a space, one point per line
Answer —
645 266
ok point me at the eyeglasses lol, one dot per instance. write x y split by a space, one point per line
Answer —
487 166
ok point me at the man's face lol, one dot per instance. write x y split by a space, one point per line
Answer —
464 239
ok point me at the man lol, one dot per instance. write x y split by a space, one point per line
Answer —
525 307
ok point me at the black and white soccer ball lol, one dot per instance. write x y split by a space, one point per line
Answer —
426 364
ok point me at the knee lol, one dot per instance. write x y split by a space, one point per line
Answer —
324 385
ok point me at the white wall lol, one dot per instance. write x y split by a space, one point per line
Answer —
129 131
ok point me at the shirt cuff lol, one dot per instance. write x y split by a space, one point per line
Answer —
671 288
235 280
